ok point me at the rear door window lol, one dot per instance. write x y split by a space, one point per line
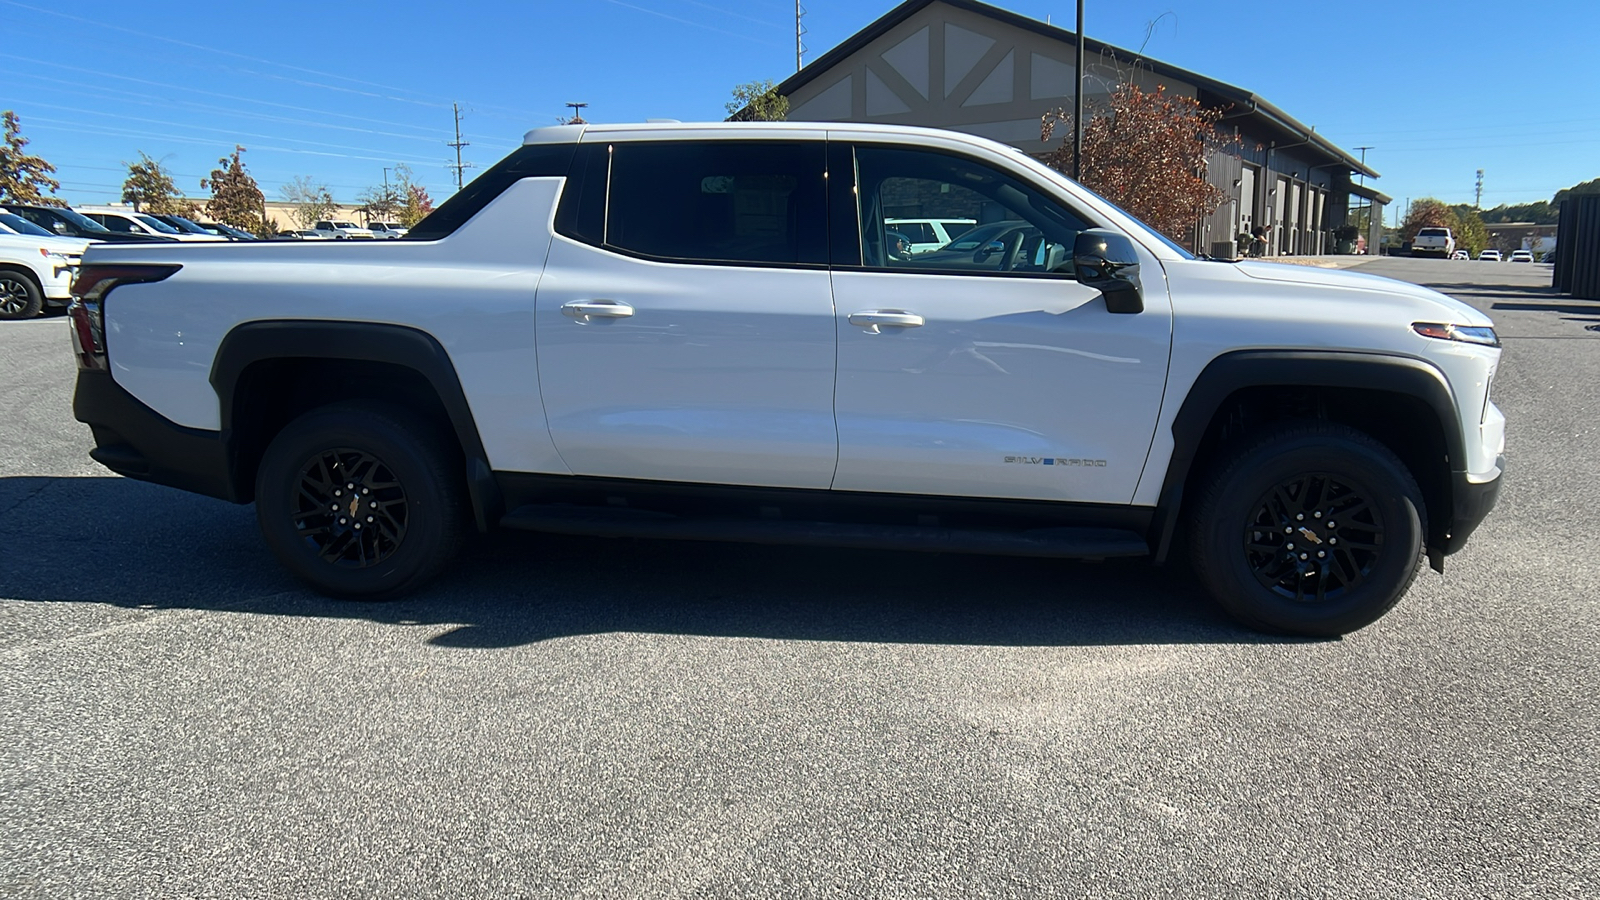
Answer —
750 202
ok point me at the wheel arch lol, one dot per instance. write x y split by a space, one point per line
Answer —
265 373
1402 401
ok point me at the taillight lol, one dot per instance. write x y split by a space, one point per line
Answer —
87 313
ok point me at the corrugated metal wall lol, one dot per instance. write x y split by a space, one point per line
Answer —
1577 270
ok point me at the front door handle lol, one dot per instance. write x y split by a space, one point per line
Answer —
872 319
597 309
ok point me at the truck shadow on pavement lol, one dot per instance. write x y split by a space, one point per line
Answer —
138 546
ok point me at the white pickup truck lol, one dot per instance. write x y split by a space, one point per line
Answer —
699 332
1433 242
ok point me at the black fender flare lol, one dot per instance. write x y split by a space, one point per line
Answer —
400 345
1240 369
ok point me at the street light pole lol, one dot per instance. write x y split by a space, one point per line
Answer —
1077 106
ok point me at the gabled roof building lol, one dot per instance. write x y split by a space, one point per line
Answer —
972 67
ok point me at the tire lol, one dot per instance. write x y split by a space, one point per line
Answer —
1257 528
414 515
20 297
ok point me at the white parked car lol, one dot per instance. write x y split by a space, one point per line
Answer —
1461 254
126 221
656 331
1522 256
343 230
389 230
929 234
1489 256
35 271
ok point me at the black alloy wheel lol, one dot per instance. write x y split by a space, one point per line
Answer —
350 509
362 499
1307 528
20 298
1297 547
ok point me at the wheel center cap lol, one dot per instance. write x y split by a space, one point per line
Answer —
355 504
1310 535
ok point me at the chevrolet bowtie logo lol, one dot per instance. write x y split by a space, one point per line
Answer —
1310 535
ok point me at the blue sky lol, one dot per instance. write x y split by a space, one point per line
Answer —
338 91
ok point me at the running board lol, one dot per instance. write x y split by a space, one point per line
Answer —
1064 542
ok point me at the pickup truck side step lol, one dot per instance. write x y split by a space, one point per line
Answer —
1072 543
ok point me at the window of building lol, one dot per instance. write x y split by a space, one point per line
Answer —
719 201
1015 228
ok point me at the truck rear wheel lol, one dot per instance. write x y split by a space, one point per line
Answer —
20 298
1310 529
359 500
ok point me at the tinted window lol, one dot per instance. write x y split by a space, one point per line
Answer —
719 201
1019 230
529 161
114 223
21 225
157 224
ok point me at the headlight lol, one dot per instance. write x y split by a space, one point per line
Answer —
53 254
1467 334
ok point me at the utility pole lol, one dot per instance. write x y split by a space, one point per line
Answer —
1477 195
458 143
799 30
1363 175
1077 106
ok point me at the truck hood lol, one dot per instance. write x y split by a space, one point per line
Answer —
1454 310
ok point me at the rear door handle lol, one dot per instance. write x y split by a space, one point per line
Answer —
872 319
597 309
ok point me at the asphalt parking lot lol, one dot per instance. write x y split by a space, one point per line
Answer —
557 719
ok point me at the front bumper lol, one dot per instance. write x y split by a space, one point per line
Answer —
1470 503
134 440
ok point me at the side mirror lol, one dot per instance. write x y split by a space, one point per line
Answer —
1106 261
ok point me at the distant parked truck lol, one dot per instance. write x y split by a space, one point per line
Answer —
1434 242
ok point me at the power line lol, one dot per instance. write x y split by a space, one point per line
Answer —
689 22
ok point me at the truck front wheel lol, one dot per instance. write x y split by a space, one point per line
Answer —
358 500
1311 529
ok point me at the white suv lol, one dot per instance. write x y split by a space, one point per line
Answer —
702 332
343 230
388 230
126 221
929 234
36 269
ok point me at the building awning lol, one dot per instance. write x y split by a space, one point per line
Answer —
1368 192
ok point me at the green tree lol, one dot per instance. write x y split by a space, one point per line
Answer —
24 178
416 204
150 188
1539 212
313 202
1427 213
757 101
1147 151
1470 234
236 199
379 203
1591 186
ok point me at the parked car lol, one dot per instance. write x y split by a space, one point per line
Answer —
930 234
1461 254
1431 241
304 234
1523 256
1489 256
701 362
221 229
389 230
343 230
63 222
127 221
190 227
35 271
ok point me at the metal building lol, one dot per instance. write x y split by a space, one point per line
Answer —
969 66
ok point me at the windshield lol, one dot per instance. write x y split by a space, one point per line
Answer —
1172 245
22 226
156 223
83 222
182 224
